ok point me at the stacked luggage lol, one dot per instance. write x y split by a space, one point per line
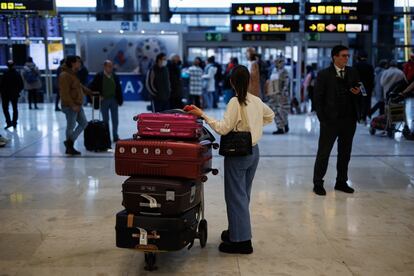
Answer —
167 161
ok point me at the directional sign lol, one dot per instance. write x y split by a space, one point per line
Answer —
264 26
325 26
214 36
24 5
338 8
265 9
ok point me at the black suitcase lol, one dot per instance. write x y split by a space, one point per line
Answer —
156 233
160 196
96 134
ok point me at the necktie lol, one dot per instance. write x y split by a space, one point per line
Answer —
341 73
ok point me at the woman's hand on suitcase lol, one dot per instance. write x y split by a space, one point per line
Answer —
192 109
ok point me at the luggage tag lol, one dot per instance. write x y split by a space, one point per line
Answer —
192 195
143 236
170 196
152 201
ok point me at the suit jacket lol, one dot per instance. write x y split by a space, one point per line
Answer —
326 93
97 83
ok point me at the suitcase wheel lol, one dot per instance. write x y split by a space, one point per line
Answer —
150 259
214 171
215 146
203 232
135 118
135 136
372 131
204 178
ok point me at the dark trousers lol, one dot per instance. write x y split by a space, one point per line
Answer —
5 105
158 106
32 97
195 100
344 131
176 103
57 100
366 106
379 105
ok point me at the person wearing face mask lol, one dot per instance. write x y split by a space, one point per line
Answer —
158 84
254 70
174 70
277 89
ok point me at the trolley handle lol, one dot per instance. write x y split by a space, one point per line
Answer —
96 94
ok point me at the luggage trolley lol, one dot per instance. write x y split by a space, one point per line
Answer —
393 119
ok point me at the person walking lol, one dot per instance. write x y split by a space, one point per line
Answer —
254 84
174 70
32 82
239 171
209 83
337 101
196 82
109 87
379 93
71 94
367 76
158 84
10 87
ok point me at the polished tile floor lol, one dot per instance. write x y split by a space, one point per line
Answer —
57 213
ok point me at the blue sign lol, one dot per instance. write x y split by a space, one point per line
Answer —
125 26
132 86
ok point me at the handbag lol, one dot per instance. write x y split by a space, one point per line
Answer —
237 143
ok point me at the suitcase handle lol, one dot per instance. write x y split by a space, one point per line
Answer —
93 107
154 165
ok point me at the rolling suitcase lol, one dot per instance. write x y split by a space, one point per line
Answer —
160 196
191 160
96 134
169 125
156 233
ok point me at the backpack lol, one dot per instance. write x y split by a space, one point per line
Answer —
31 76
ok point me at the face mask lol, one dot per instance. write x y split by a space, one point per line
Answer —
164 63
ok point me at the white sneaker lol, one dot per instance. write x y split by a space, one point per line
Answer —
4 140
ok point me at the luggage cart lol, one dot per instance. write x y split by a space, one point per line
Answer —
392 121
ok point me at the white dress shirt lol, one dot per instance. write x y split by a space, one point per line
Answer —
258 115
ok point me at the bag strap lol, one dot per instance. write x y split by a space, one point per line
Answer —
244 122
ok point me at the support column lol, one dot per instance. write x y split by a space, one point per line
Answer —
165 13
129 7
105 6
385 28
144 8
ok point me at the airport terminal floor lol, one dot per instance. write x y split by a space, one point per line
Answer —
57 213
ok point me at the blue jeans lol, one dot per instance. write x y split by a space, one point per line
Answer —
208 97
239 172
106 105
72 117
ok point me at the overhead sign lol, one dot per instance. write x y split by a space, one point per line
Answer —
27 5
264 37
214 36
264 26
329 26
265 9
338 9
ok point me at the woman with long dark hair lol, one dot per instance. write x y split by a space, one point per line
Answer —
239 171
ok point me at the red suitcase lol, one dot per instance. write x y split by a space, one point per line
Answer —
174 125
191 160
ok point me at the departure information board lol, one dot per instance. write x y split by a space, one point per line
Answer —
27 5
17 27
53 27
332 26
3 54
338 8
35 27
3 27
265 9
264 26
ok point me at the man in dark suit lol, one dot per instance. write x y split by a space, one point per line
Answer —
337 105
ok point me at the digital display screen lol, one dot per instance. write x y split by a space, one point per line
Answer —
338 9
3 27
53 27
17 27
330 26
24 5
264 26
265 9
4 49
35 27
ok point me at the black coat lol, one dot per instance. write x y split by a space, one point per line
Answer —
97 82
327 89
366 74
11 84
174 71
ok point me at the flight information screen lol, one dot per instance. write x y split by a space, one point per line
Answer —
35 27
27 5
3 27
53 27
17 27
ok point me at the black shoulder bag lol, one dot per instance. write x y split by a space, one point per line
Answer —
237 143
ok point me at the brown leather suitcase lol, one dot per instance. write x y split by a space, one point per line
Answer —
153 196
144 157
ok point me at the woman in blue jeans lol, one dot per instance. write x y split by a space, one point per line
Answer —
239 171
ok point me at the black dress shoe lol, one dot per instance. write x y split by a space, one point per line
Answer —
319 190
225 236
344 188
286 128
244 247
278 131
8 126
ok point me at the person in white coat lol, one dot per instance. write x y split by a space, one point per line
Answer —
32 81
209 83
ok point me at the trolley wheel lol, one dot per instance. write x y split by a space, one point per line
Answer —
203 232
215 146
204 178
215 171
135 136
150 259
372 131
406 131
135 118
390 133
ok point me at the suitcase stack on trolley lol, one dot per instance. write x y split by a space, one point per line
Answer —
167 161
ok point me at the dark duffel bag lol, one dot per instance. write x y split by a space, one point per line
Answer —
156 233
160 196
